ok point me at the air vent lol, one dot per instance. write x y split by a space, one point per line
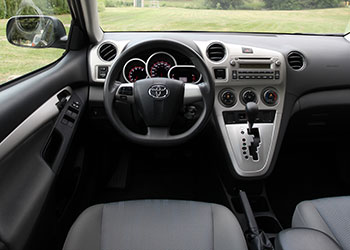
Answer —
296 60
107 52
216 52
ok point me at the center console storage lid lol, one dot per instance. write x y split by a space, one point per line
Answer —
305 239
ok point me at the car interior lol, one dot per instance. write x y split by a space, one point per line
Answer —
176 140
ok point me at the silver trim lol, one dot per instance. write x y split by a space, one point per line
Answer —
230 132
39 117
156 53
158 91
186 66
95 61
132 59
347 37
192 93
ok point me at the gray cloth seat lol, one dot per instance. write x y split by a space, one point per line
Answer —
330 216
156 225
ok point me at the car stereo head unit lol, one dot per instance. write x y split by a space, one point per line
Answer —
256 68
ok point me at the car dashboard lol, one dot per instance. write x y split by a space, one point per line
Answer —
274 71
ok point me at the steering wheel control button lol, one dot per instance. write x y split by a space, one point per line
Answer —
102 72
248 95
270 97
220 74
227 98
159 91
125 91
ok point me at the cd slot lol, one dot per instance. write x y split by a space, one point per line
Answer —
255 58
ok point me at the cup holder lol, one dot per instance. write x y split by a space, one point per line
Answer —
268 224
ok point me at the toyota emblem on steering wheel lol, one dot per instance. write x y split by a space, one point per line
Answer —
158 91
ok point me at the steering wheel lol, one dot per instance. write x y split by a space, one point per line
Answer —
159 100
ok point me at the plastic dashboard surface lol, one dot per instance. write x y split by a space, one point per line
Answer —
323 69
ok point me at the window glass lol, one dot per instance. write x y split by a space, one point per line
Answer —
276 16
16 61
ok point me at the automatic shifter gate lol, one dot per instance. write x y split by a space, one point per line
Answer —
252 111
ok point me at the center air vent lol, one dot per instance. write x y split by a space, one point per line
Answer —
216 52
296 60
107 52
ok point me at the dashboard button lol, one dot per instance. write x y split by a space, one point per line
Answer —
277 74
234 74
102 72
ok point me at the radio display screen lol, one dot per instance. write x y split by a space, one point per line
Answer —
254 66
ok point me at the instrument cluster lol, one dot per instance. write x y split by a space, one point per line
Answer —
161 64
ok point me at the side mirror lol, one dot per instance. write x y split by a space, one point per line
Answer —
36 32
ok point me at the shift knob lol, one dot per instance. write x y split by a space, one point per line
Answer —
252 111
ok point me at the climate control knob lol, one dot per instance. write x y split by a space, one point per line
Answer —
270 97
227 98
248 95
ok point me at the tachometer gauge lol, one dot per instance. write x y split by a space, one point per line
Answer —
134 69
159 64
185 73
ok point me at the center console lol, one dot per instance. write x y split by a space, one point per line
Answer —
244 75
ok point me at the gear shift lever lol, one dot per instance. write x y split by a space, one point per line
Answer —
252 111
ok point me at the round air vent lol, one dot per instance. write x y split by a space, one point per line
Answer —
216 52
296 60
107 52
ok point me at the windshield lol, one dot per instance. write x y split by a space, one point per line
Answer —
273 16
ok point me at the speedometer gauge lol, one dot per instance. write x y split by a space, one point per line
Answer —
160 69
134 69
159 64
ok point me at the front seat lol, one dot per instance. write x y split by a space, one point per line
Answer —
156 225
329 215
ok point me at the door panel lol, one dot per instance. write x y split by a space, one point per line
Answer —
31 119
21 99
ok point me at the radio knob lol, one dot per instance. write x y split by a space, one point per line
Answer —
227 98
233 62
248 96
278 63
270 97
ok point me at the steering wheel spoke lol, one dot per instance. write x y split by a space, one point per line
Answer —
158 132
192 93
125 93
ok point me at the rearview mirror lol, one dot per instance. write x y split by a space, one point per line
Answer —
36 32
